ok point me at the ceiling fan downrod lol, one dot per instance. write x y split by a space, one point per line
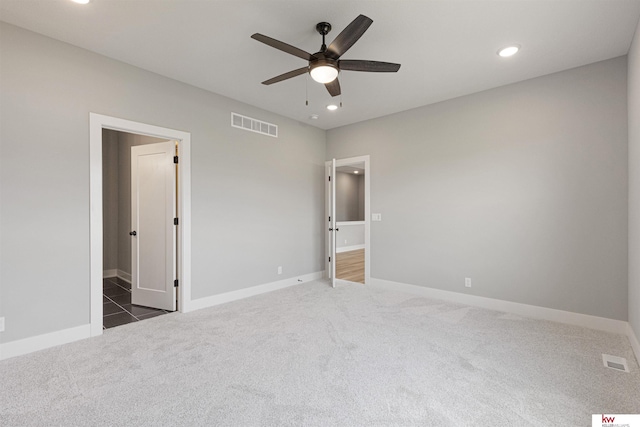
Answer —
323 28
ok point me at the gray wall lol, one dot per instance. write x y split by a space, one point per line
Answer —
116 197
110 199
350 235
347 197
634 183
271 189
522 188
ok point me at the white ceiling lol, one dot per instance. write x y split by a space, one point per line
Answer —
447 48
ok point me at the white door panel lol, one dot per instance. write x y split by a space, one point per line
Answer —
153 247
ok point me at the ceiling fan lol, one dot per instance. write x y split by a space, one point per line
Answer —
325 65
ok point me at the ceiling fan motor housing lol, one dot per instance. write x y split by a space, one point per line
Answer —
323 69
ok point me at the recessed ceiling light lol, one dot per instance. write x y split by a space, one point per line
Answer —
355 171
313 117
505 52
332 107
81 1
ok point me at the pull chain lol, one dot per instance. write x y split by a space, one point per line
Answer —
306 87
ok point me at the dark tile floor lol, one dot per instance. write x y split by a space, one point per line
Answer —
116 304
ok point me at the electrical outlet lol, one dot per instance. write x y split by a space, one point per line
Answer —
467 282
1 324
376 217
280 270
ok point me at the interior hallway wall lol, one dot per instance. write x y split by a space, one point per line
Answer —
522 188
272 189
634 183
347 201
110 199
116 197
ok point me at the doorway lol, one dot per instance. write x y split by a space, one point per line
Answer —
139 244
348 206
181 143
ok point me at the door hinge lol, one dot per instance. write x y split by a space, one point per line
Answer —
329 259
175 221
175 159
329 219
175 283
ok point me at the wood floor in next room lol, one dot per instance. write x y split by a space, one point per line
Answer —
116 304
350 266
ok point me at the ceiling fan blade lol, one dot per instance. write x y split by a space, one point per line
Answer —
371 66
333 87
348 36
282 46
286 76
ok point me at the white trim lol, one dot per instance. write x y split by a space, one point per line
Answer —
252 291
97 122
525 310
106 274
349 248
124 276
348 223
40 342
633 339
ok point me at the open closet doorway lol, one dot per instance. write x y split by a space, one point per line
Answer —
139 244
157 231
347 238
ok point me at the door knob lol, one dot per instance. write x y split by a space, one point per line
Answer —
132 233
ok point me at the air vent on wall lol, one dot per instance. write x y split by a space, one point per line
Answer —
615 362
253 125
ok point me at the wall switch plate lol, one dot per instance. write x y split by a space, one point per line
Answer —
280 270
1 324
376 217
467 282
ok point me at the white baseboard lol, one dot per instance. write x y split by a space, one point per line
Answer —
635 344
109 273
252 291
124 276
525 310
349 248
117 273
40 342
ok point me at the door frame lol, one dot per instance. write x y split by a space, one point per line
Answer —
367 213
97 122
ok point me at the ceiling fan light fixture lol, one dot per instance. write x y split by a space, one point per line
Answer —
324 73
332 107
81 1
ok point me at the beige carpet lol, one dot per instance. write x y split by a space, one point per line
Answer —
317 356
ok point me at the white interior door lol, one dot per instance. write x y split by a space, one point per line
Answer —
332 223
331 240
153 209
